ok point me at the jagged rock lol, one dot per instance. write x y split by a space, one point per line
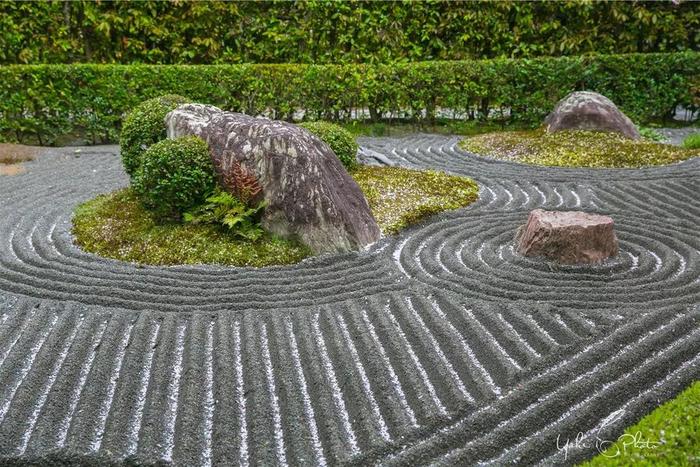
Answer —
586 110
309 193
568 237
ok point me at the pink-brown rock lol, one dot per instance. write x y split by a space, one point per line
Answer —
568 237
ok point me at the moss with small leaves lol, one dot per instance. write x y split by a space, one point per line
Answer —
116 225
575 148
400 197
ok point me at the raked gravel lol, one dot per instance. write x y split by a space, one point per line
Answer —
440 345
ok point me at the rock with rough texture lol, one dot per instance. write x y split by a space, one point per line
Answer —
568 237
309 193
586 110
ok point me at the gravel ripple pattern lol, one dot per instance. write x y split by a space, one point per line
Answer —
439 345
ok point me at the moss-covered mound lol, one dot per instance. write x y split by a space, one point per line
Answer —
117 225
400 197
574 149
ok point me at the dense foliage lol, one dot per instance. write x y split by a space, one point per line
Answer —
319 31
175 175
575 148
144 126
40 102
340 140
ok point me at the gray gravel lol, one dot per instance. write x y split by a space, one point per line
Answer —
439 345
675 136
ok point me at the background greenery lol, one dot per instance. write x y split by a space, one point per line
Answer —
38 103
181 32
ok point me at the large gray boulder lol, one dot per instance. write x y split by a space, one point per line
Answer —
309 193
585 110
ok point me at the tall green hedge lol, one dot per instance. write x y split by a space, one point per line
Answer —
325 31
43 101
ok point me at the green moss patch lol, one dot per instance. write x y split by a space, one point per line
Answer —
116 225
670 435
575 149
400 197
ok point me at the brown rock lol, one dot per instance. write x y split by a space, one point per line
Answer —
309 193
586 110
568 237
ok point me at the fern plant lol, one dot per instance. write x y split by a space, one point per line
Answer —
227 210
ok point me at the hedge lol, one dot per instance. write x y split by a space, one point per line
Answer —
41 102
323 31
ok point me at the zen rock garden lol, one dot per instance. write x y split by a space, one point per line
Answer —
403 258
186 362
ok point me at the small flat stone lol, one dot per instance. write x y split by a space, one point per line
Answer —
568 237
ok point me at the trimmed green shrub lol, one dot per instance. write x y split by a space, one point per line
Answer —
143 127
38 102
175 175
340 140
692 141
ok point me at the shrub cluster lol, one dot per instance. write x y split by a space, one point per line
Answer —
340 140
175 175
144 126
40 102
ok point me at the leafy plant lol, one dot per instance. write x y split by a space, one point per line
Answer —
338 139
651 134
175 175
226 209
692 141
144 126
241 183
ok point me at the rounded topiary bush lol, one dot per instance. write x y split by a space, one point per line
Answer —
338 138
144 126
175 175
